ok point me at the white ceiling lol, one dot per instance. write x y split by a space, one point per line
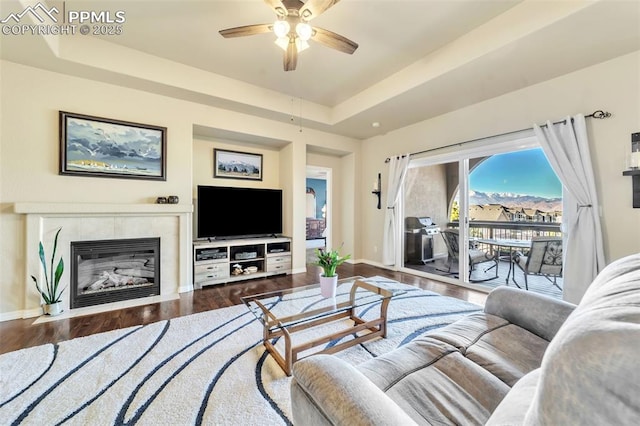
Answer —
417 58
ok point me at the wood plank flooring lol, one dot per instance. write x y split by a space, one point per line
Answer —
20 334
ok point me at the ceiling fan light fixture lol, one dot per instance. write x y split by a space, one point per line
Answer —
281 28
292 29
282 42
304 31
301 45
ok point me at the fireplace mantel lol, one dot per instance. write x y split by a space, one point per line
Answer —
100 208
98 221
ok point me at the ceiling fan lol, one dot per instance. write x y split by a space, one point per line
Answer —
293 30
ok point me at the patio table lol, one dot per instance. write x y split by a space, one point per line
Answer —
509 244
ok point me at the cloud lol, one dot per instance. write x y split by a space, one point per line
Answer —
113 140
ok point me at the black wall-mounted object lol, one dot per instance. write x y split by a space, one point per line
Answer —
378 191
635 175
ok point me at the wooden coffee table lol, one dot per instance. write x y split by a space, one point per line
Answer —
286 312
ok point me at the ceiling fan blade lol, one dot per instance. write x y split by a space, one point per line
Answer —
333 40
313 8
246 30
290 57
277 7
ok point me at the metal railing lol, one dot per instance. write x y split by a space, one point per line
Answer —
510 230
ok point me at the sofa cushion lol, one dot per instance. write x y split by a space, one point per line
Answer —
435 384
504 349
467 330
328 391
513 407
538 313
590 371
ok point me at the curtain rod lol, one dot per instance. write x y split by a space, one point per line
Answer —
596 114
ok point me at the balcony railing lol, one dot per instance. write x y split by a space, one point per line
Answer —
510 230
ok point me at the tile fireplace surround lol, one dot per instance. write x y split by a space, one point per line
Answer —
85 222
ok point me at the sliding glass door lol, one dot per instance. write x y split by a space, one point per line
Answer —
430 207
471 220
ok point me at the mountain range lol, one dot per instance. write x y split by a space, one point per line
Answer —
515 200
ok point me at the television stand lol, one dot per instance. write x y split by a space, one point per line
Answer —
226 261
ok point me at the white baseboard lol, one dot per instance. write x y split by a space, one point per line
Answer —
26 313
185 288
71 313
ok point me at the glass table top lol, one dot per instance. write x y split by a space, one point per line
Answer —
283 308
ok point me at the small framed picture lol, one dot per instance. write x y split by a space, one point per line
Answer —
102 147
236 165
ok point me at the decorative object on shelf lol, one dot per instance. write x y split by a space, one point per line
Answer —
173 199
161 200
102 147
377 185
237 269
250 269
243 255
51 295
292 29
329 260
236 165
633 164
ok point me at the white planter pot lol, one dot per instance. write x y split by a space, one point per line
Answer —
53 309
328 286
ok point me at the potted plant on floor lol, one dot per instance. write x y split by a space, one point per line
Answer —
51 295
329 260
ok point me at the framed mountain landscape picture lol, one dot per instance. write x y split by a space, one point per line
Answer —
102 147
236 165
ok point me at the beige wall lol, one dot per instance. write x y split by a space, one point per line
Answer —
613 86
30 101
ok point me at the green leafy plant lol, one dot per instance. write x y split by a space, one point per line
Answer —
329 260
50 293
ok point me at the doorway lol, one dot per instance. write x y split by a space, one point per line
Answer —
318 209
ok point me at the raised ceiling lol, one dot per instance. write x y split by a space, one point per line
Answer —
417 58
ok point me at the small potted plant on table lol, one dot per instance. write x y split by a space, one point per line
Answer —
51 295
329 260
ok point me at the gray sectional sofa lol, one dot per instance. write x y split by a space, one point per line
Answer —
527 359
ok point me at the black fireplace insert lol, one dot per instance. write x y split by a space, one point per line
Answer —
114 270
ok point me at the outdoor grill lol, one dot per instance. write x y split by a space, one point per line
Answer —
418 239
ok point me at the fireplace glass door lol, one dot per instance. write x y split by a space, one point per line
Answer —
114 270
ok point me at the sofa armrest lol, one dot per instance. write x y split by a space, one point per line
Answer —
539 314
327 390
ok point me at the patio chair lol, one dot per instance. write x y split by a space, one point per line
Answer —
544 259
476 257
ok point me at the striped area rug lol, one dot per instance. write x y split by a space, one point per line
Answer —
207 368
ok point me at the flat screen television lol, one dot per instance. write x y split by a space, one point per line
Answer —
225 212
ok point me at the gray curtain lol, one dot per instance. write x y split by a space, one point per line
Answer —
567 148
397 173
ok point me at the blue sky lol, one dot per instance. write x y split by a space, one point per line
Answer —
523 172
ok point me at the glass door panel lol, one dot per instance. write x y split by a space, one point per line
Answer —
428 209
514 197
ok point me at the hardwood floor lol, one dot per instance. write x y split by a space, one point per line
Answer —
20 334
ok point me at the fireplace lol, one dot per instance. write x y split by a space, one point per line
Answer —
114 270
